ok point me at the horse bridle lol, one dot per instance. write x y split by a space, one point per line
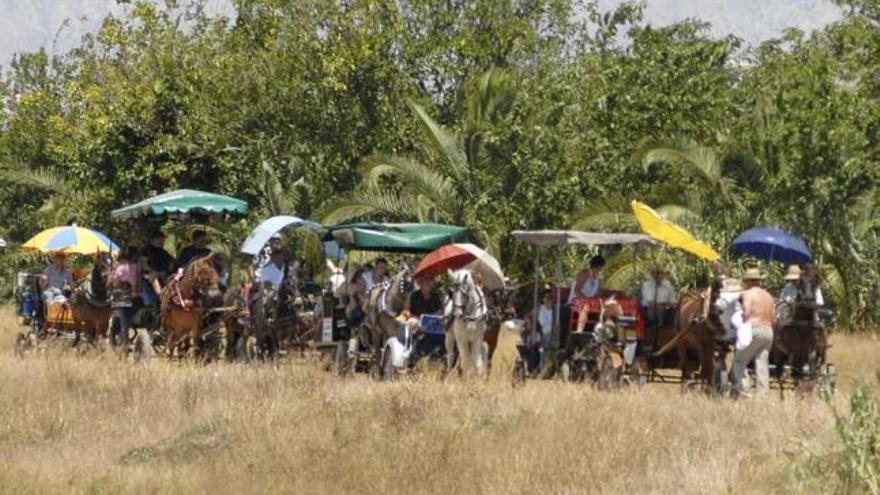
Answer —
457 288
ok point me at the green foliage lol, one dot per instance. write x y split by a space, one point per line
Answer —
859 432
499 115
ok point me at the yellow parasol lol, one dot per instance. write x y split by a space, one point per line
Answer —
671 234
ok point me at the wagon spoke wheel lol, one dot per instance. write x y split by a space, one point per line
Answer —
609 375
22 344
340 365
519 373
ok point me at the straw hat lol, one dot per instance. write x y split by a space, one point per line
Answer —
731 285
793 273
753 274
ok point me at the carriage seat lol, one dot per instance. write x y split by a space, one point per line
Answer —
58 313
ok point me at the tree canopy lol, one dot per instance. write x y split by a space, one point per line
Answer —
498 115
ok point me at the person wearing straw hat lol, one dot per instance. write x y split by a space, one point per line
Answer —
790 291
659 299
754 325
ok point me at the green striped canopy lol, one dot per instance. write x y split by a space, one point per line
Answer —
181 203
396 238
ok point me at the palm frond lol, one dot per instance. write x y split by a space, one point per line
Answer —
37 178
491 97
368 201
613 211
416 177
444 143
693 159
625 270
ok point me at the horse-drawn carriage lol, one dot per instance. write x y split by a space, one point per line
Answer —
275 319
187 316
370 334
59 313
613 346
44 321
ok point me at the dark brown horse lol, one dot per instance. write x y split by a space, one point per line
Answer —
185 300
90 304
799 338
275 315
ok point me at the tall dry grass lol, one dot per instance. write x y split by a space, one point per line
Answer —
92 424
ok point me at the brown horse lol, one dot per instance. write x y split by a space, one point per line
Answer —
185 300
500 303
697 331
90 305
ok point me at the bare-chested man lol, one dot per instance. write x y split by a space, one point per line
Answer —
758 313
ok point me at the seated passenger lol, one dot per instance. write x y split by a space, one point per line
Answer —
198 247
588 283
789 292
659 299
376 275
537 334
56 280
426 301
272 274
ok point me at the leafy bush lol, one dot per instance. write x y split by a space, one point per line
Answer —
859 431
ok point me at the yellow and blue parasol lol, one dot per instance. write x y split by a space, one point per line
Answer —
70 240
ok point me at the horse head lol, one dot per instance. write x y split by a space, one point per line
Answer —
203 280
336 281
465 295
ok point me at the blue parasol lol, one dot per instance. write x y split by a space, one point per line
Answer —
772 244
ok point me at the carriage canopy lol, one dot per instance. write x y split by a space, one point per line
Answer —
396 238
182 203
272 226
571 237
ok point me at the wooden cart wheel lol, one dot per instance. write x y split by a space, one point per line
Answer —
340 359
609 375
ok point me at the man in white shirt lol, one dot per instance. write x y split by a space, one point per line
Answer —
659 298
272 274
789 292
376 275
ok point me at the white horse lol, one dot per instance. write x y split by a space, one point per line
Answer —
336 280
468 311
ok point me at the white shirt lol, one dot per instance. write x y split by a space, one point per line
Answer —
545 319
271 274
589 289
733 319
665 293
369 280
789 294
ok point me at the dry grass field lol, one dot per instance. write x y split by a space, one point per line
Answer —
92 424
